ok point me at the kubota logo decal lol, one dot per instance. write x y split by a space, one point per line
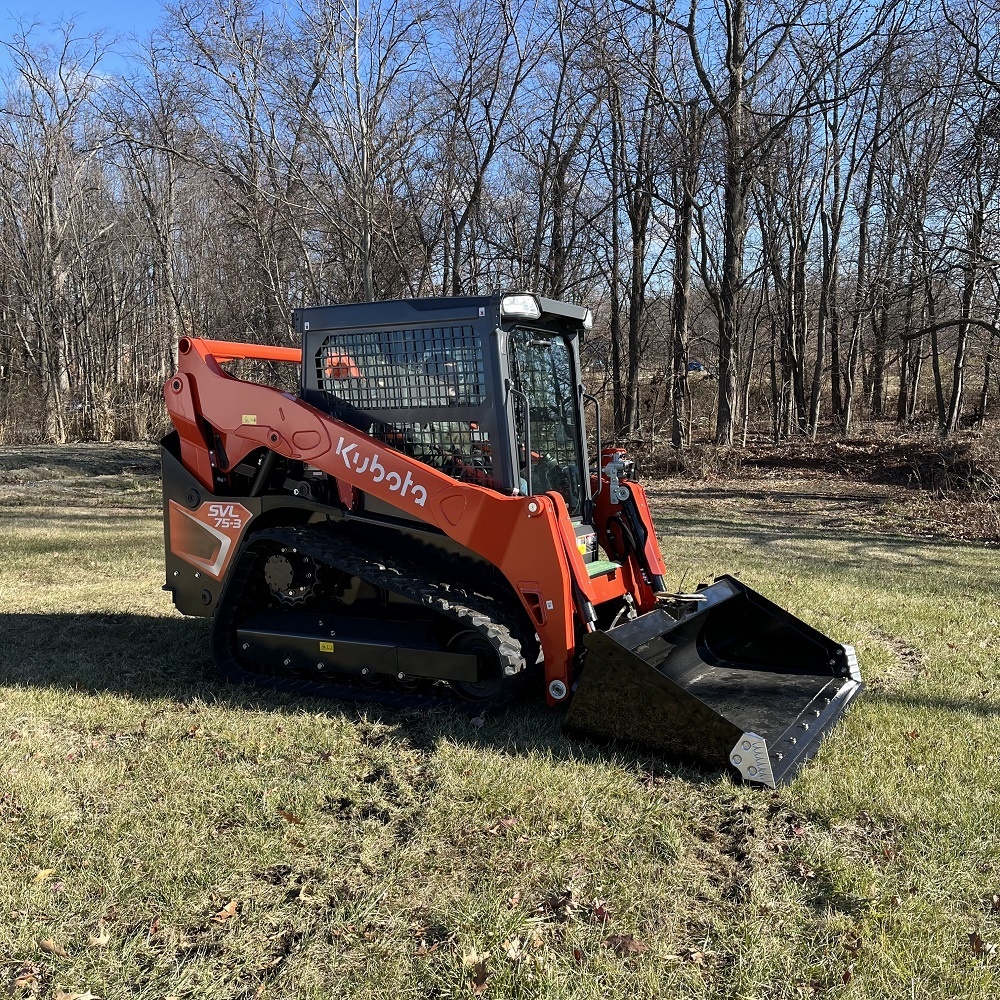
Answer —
369 465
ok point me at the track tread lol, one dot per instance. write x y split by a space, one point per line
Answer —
459 601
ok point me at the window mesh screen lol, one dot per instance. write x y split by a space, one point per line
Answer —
460 450
403 369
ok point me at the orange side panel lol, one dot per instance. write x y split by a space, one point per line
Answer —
207 538
608 586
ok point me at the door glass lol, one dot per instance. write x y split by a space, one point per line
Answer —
542 368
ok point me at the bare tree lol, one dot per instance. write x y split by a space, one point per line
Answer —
479 56
45 156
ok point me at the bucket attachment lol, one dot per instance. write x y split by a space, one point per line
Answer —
737 681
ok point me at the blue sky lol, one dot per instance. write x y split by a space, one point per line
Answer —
120 17
117 17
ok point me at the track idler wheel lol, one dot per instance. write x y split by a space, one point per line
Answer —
494 687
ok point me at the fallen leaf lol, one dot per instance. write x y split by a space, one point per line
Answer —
154 928
53 947
696 957
512 948
515 901
599 911
27 977
290 817
806 872
578 956
558 905
476 966
995 903
848 974
61 994
506 823
979 946
100 938
478 722
229 910
912 734
43 876
626 944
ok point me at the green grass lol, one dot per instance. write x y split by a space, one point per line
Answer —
397 854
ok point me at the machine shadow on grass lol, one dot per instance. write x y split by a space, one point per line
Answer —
151 658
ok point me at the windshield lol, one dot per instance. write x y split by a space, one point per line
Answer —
542 369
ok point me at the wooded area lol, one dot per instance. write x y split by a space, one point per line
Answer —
799 201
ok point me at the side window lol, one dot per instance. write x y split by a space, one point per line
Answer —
382 380
542 369
403 369
460 450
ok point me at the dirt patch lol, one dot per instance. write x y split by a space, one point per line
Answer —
834 486
834 501
26 464
907 666
911 485
91 476
785 501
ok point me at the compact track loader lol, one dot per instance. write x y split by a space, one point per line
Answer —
423 523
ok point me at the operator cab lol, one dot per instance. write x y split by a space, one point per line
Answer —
484 388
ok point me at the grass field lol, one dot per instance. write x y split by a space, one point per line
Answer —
164 835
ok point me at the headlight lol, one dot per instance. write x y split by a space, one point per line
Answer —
520 306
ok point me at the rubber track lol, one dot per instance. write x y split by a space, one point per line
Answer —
335 548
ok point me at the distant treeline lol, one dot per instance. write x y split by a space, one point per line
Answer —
798 201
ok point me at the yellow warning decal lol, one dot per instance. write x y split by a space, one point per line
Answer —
326 647
249 418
